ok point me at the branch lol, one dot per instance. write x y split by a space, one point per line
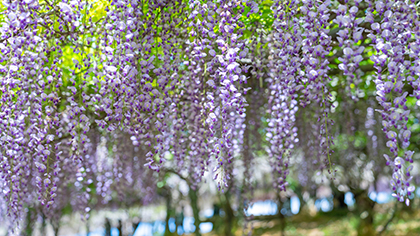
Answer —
364 68
13 35
176 173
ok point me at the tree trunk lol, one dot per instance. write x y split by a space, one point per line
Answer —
365 205
338 197
194 204
282 218
394 213
87 226
120 231
230 216
56 224
168 215
282 224
56 229
29 227
135 225
107 227
43 225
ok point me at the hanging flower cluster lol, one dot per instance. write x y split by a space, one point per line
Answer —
349 38
93 96
391 31
298 72
30 83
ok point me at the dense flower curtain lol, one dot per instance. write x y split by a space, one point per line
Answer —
98 97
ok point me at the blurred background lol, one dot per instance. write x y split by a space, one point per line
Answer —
324 207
